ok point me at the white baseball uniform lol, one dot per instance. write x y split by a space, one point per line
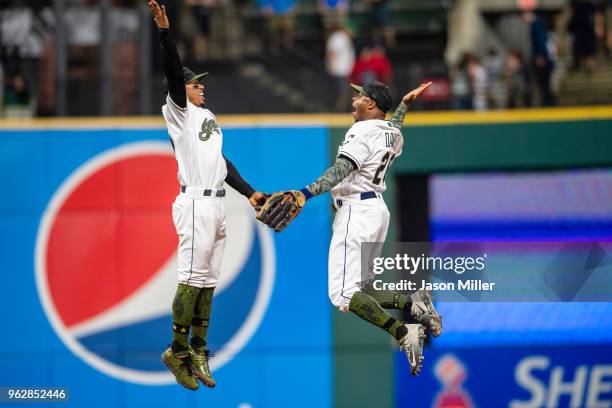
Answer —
198 211
362 214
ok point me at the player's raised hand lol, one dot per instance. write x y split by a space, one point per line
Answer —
415 93
159 14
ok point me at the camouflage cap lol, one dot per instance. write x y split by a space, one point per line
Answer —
188 76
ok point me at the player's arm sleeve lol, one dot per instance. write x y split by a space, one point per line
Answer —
397 120
330 177
235 180
173 69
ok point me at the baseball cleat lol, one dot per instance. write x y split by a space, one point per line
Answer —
199 366
181 368
424 311
412 345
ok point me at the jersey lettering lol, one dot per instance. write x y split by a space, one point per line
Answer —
208 127
390 138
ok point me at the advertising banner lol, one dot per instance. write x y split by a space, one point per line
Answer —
89 266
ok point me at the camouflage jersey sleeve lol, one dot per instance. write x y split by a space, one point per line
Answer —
398 117
331 177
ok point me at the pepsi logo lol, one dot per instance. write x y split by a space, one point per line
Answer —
106 265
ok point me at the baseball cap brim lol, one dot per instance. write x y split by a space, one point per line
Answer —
357 88
197 77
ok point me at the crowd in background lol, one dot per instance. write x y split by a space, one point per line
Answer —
507 77
280 15
27 51
496 77
497 80
371 64
345 62
27 41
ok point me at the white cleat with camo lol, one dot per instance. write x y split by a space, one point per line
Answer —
412 345
424 311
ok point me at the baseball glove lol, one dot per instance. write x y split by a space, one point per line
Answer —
280 209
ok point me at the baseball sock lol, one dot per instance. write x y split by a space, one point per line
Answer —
388 299
366 307
182 313
201 317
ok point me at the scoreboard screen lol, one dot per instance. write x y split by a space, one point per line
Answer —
551 206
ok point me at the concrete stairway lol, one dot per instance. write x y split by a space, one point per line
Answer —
581 88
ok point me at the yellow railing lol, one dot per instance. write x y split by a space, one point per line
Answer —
333 120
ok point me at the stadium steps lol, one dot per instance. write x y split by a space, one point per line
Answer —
294 75
295 80
581 88
236 91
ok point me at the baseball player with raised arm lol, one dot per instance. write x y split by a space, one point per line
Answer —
357 181
198 211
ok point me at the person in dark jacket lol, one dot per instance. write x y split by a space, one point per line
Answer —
541 58
582 26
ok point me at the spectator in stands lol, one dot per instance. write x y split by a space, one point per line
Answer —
22 30
16 91
201 11
494 65
382 29
340 59
469 84
461 92
17 98
280 17
382 65
363 71
541 57
516 81
82 21
372 65
478 83
582 27
26 29
334 14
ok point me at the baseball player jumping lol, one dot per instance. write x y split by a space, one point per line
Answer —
357 181
198 211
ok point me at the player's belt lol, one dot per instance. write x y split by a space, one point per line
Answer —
204 192
363 196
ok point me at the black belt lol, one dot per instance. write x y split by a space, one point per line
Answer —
207 192
363 196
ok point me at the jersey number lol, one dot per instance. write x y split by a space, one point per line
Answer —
384 165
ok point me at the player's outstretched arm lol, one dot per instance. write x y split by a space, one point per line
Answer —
238 183
173 68
398 117
330 178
